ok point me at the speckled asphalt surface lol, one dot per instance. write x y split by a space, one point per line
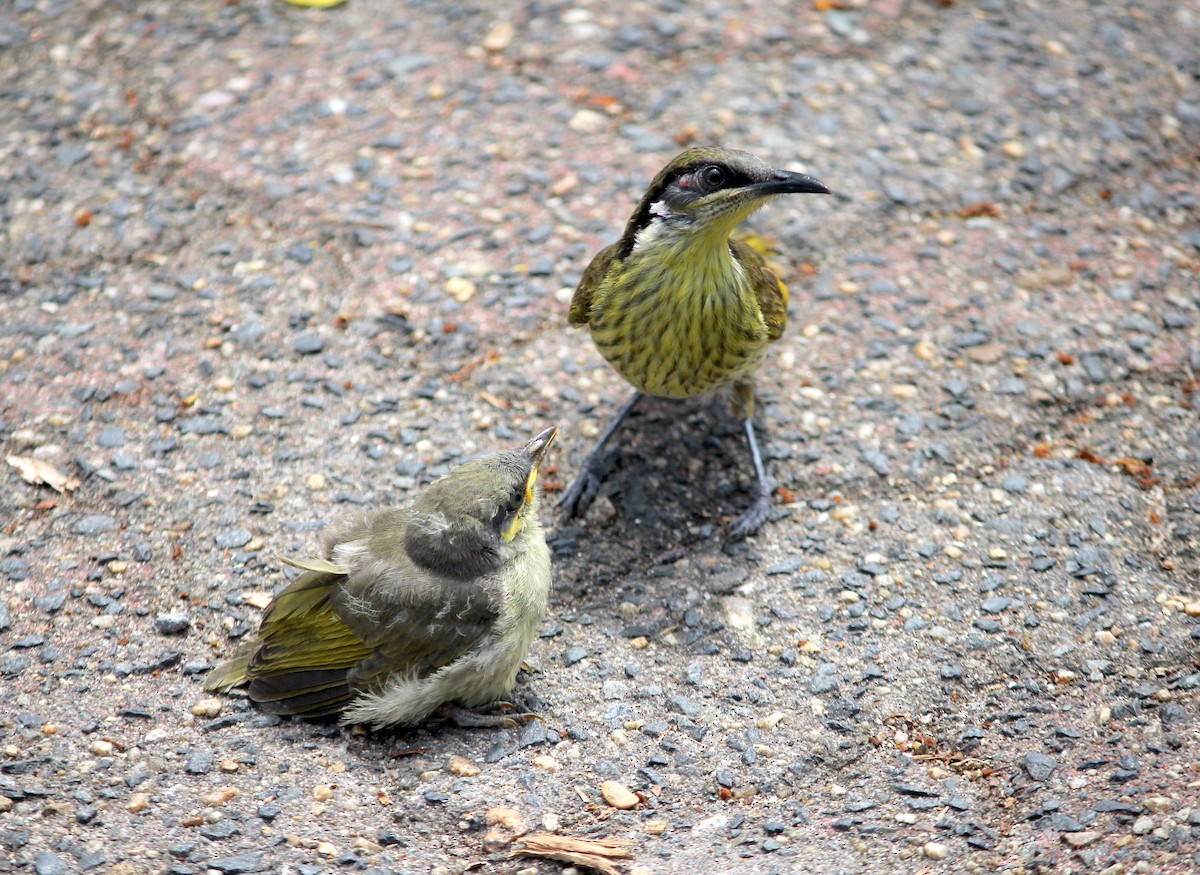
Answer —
260 264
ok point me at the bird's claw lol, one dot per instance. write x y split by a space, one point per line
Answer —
468 719
578 497
751 519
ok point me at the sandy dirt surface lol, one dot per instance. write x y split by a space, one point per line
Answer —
260 265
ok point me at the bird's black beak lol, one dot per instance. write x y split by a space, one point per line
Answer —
786 182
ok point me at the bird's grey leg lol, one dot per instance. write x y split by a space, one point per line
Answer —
756 514
578 496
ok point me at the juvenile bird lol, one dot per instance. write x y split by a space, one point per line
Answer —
426 606
679 308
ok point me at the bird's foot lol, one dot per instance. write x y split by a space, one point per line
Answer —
467 719
578 497
752 518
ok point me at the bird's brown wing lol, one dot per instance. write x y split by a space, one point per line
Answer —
581 302
772 294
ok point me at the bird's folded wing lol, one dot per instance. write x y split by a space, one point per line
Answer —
415 621
772 294
581 302
301 629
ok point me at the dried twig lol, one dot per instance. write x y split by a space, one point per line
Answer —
597 854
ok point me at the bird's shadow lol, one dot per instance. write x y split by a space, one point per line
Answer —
681 470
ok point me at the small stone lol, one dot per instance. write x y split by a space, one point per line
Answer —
315 482
587 121
463 767
322 793
987 353
1080 839
101 748
231 539
546 762
199 763
574 654
46 863
935 850
210 707
459 288
1039 766
93 524
618 795
111 437
308 343
1143 825
173 623
138 802
506 818
1013 149
500 37
1157 804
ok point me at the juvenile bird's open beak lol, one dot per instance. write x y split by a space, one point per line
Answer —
536 449
786 182
540 444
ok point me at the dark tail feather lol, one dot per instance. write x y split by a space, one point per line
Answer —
314 693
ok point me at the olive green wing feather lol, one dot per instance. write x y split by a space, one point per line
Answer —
298 661
593 275
772 294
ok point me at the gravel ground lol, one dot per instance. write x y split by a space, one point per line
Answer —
259 264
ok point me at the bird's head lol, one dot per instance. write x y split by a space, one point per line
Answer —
708 189
464 519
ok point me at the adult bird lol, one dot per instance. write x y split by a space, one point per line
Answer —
428 606
679 308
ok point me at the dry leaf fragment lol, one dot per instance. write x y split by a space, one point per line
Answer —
597 854
36 471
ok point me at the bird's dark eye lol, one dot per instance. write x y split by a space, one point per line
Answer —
713 177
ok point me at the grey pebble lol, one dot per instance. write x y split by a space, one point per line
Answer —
1039 766
199 763
201 425
111 437
173 623
238 864
574 654
826 679
1094 367
46 863
533 732
94 524
996 604
790 565
222 829
308 343
233 538
683 705
898 193
877 461
1015 483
